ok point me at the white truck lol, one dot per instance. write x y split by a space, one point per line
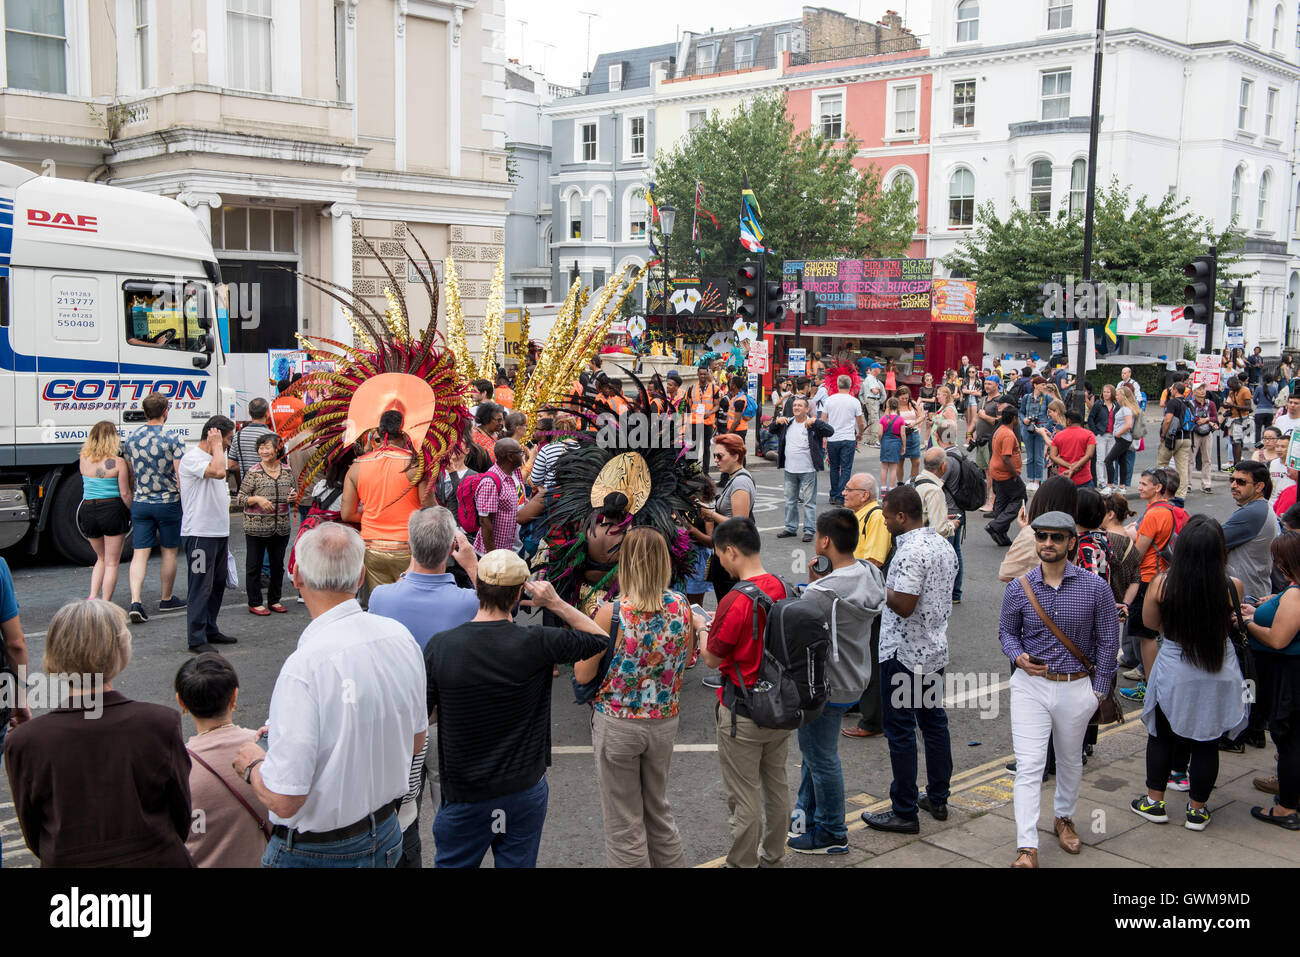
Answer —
106 295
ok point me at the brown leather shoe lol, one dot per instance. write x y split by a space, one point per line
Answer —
1065 834
1026 857
1267 785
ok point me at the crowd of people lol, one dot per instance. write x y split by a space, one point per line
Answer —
415 672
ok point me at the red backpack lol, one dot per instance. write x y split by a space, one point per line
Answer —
466 510
1166 551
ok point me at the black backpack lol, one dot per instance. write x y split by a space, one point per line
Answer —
971 490
791 688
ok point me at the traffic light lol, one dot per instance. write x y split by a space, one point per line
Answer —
814 311
773 307
747 291
819 314
1236 305
1201 273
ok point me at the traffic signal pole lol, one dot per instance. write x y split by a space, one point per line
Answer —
1090 206
798 316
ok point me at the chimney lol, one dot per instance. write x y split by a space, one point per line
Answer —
585 85
891 20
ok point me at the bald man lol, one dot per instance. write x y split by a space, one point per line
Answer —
930 486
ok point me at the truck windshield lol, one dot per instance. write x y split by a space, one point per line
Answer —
165 315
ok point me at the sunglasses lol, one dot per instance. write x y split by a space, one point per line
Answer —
1056 538
718 455
1235 480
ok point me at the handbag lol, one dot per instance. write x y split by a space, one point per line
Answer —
585 692
1109 710
263 824
1240 639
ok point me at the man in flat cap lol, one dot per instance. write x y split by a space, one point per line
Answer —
1054 690
489 690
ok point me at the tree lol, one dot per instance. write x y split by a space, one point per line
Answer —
1133 242
816 204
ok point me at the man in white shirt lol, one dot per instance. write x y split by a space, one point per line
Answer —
843 412
205 532
873 394
1126 375
929 485
1288 419
800 454
347 717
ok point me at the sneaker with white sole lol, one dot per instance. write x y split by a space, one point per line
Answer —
1134 694
137 613
1178 781
1134 674
818 841
1154 811
712 679
1198 818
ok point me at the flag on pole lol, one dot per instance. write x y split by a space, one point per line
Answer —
699 207
1112 325
751 230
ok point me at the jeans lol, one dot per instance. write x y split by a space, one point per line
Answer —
1130 461
510 825
207 563
801 491
1033 456
841 466
265 549
380 847
821 779
4 729
955 541
903 713
1007 496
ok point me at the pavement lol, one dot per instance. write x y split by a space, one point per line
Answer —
979 831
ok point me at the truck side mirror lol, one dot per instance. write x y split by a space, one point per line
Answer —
209 347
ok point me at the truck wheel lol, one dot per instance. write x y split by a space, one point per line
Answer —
66 537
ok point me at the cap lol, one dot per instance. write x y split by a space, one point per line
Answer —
875 365
502 567
1047 522
674 375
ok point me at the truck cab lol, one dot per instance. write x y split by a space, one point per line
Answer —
106 295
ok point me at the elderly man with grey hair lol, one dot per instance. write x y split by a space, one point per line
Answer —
946 438
843 412
347 716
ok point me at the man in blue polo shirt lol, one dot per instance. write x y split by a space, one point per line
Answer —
426 598
13 655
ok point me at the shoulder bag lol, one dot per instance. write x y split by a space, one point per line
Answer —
1109 710
1240 639
585 692
262 823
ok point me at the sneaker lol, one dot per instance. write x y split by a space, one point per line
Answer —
1151 810
1134 694
137 613
203 649
807 538
786 533
1198 818
712 680
172 604
1178 781
818 842
1135 674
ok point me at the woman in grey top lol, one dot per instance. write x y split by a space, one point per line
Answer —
1195 690
735 499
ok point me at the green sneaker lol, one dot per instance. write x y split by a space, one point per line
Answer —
1134 694
1198 818
1151 810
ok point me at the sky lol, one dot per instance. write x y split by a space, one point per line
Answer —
551 35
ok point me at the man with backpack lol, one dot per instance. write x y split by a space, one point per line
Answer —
752 757
1176 435
1161 521
850 594
913 656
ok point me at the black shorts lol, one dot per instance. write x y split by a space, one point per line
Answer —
100 517
1135 624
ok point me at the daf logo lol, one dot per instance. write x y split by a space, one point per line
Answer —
60 220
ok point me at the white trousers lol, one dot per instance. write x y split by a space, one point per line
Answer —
1041 708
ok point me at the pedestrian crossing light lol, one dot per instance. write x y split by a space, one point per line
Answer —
814 311
1236 306
747 291
773 307
1200 289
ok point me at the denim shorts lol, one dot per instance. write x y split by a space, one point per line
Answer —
697 582
913 448
154 523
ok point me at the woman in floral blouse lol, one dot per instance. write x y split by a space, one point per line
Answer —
265 496
634 724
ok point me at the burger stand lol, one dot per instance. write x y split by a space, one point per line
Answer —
885 308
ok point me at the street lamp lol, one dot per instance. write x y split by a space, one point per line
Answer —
667 217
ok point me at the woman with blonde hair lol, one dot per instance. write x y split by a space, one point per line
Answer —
635 712
945 412
913 426
104 515
1127 412
131 759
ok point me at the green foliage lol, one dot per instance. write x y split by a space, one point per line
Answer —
815 203
1133 242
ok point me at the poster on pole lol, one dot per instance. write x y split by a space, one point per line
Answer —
798 361
953 300
1058 343
1235 337
1207 372
1293 450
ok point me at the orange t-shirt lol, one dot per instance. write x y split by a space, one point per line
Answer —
1243 403
286 413
1157 524
387 495
1004 443
504 396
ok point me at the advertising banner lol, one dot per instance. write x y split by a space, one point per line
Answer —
863 283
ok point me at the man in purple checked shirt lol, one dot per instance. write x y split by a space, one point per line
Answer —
1052 694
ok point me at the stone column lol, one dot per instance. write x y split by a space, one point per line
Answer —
201 204
340 264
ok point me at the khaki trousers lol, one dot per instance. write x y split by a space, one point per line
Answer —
1204 444
632 759
383 568
1181 455
753 775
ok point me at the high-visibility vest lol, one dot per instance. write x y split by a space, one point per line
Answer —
702 407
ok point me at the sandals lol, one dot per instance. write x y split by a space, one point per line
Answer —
279 609
260 610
